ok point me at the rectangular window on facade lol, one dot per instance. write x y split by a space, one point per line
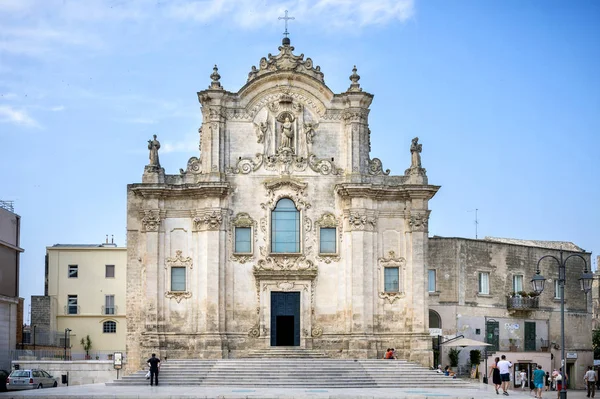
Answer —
109 304
431 280
72 304
556 289
517 283
391 279
484 283
177 278
243 241
327 244
109 271
73 271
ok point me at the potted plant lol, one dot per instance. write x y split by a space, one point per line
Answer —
87 345
523 294
453 355
475 360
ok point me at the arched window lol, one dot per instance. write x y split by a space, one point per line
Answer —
435 321
109 327
285 227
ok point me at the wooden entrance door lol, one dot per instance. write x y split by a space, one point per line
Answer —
285 318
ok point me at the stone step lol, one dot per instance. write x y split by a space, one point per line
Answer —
293 373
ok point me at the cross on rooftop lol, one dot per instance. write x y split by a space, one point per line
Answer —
286 18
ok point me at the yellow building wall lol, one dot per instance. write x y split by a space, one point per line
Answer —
91 286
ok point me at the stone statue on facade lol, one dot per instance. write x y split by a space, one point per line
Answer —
287 133
415 153
153 146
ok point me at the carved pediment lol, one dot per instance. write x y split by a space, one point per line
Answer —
286 61
285 267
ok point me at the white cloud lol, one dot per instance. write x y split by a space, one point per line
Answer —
12 115
57 108
189 144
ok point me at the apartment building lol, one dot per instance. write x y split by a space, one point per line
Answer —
84 295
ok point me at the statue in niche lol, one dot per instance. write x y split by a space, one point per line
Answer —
415 153
153 146
287 131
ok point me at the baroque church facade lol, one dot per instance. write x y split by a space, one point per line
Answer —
282 232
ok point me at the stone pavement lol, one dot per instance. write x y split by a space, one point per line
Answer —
101 391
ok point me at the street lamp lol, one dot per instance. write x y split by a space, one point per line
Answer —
537 283
67 330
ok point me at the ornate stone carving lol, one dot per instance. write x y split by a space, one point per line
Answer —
151 219
316 332
419 222
285 187
307 224
272 100
215 84
327 220
376 168
310 131
209 219
194 165
285 267
242 219
354 78
391 297
358 221
286 61
391 261
323 166
179 260
247 165
178 295
254 331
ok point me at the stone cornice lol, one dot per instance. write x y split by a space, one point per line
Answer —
209 189
386 192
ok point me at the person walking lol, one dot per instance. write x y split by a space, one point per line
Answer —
154 364
523 375
495 372
504 366
590 381
538 381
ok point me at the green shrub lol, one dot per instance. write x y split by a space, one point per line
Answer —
453 355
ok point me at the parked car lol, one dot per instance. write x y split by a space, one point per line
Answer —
30 379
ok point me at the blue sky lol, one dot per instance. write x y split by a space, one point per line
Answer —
504 96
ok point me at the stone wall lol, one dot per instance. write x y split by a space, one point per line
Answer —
41 312
80 372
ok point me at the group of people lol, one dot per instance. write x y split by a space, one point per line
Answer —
500 372
390 353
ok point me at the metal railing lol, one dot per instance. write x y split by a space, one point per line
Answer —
43 338
59 354
522 303
72 309
111 310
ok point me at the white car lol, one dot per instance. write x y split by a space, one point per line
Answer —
30 379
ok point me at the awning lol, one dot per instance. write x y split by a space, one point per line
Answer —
465 342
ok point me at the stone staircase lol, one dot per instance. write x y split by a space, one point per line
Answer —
318 372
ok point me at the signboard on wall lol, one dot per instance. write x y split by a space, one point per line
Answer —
571 355
118 360
435 332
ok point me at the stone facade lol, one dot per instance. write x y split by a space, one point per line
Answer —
464 309
283 135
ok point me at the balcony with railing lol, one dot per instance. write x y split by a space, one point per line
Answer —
518 302
109 310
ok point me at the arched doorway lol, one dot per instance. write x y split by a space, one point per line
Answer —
435 321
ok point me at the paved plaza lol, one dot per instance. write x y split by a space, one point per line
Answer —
102 391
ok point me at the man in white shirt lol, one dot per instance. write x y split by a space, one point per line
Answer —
590 381
504 367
